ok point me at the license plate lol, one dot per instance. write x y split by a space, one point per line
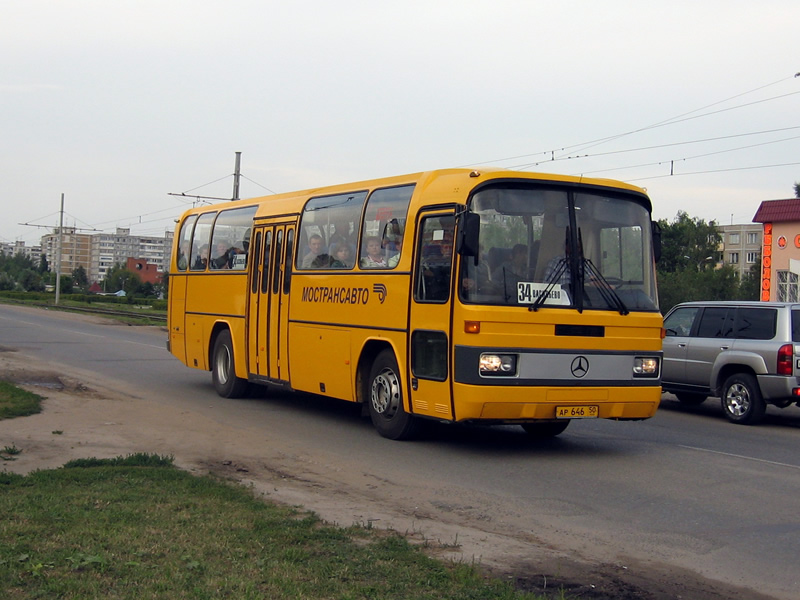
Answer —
577 412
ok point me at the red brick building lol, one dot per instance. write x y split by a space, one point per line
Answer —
147 272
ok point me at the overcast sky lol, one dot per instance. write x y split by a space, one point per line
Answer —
119 103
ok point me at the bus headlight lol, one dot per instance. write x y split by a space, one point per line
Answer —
645 366
493 365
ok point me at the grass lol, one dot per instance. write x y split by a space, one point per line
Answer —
15 402
137 527
134 314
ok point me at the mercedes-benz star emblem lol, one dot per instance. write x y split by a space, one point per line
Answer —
579 366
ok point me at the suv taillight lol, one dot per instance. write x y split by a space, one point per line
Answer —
785 359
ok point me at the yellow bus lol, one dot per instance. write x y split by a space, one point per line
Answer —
484 296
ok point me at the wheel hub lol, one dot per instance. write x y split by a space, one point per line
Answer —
223 365
738 400
385 393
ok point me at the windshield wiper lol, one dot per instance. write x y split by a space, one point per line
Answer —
555 276
606 290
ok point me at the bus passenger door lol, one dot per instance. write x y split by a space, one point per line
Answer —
258 305
429 364
268 306
278 321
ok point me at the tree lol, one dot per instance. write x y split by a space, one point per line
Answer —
80 279
6 282
797 190
66 284
120 278
30 281
687 269
688 243
162 289
750 285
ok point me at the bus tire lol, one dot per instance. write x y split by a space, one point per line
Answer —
223 373
547 429
690 398
385 398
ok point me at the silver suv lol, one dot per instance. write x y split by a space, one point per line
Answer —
747 353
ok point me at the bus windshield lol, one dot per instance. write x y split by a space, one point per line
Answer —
556 247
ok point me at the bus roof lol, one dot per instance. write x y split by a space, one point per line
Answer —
291 203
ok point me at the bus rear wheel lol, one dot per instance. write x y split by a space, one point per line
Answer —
547 429
385 398
223 373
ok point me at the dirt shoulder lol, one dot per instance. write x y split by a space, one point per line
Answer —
85 417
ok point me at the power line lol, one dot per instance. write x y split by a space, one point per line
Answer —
659 146
258 184
204 185
687 158
792 164
670 121
682 120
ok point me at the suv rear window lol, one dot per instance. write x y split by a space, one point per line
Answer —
796 325
716 322
756 323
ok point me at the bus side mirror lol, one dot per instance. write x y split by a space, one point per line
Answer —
656 229
468 232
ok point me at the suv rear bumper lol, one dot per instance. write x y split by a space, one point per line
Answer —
778 388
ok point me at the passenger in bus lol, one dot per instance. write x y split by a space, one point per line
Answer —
322 261
558 268
436 263
397 247
183 257
341 256
556 264
374 258
515 268
315 244
341 234
201 260
221 256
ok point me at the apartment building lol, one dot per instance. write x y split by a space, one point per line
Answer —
109 249
19 247
741 246
98 253
75 249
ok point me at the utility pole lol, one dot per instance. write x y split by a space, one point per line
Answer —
236 176
60 244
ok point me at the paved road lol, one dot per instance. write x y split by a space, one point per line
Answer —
685 488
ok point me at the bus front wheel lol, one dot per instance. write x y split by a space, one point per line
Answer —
547 429
385 397
223 373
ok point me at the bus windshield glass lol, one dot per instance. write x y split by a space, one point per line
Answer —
558 247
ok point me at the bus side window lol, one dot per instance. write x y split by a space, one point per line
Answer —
200 240
185 243
231 239
287 264
276 262
265 270
256 252
328 222
384 221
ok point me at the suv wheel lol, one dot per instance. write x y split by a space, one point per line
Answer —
741 399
